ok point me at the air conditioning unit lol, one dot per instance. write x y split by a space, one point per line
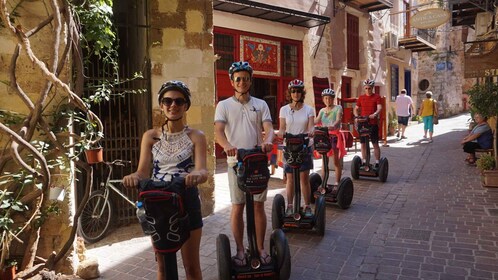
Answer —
391 41
483 23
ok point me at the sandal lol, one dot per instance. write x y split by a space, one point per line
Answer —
265 259
237 260
471 161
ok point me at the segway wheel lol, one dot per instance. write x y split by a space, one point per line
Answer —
320 215
277 212
280 254
383 169
223 257
315 183
355 167
345 193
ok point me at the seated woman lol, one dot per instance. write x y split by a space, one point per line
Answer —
481 137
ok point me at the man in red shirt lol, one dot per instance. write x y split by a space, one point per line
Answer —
369 104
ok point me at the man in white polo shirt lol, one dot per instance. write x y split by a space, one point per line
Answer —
239 122
404 107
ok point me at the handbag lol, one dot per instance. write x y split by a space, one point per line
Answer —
435 117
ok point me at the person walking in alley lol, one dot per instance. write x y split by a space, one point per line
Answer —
369 105
427 110
297 118
480 137
330 116
239 122
404 107
175 150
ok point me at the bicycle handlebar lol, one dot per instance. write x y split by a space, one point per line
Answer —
119 162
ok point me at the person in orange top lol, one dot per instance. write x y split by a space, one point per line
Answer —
427 110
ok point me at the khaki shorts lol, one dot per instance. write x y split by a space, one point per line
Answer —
237 196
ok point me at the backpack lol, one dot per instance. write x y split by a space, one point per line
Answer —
252 171
321 140
295 149
167 220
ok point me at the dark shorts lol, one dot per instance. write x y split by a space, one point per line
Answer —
403 120
193 207
305 166
374 135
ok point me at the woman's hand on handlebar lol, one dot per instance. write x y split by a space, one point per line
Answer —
194 178
131 181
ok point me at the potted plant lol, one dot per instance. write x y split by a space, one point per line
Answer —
392 123
486 165
8 271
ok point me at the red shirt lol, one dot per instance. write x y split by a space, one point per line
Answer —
368 105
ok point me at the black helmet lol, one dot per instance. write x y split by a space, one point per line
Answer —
174 85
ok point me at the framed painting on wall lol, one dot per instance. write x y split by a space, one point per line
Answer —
262 54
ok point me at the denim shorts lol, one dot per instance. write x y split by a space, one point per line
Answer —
193 207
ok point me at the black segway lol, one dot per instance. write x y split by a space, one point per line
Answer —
252 177
369 170
165 219
341 194
295 151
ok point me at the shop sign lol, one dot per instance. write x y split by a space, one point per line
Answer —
262 54
481 59
430 18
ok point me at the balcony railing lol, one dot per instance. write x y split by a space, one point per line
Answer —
419 40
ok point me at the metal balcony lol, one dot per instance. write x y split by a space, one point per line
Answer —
419 40
370 5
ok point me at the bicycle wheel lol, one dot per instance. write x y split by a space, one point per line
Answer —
95 220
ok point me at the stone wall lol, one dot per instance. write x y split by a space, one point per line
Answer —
181 49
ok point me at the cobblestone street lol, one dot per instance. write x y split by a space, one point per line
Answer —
432 219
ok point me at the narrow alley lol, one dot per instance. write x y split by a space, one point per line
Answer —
432 219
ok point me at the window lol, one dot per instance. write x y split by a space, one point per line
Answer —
224 47
394 81
423 85
353 42
290 61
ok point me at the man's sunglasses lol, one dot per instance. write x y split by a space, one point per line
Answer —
169 101
297 90
245 79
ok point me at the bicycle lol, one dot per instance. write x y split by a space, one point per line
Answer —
98 213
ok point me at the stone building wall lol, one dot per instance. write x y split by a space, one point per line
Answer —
181 49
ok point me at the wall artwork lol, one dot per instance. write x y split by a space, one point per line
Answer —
262 54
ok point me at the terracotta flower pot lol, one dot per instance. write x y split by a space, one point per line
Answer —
490 178
94 155
8 273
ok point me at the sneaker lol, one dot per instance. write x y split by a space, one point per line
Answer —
289 211
403 137
376 166
307 212
430 141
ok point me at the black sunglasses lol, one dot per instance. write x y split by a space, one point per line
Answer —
169 101
297 90
245 79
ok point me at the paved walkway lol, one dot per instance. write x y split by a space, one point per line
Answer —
431 220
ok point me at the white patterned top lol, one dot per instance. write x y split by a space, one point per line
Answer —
173 156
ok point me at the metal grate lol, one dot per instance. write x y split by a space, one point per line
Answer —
126 116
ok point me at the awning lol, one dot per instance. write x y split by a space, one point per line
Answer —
269 12
370 5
